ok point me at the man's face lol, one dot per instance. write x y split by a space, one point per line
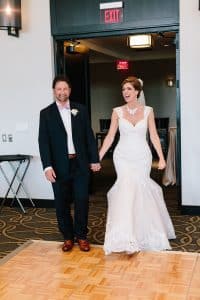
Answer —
62 91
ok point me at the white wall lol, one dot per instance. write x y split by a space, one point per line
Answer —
190 97
26 70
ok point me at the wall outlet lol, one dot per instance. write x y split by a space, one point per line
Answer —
10 138
4 138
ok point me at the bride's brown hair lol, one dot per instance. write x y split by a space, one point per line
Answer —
135 82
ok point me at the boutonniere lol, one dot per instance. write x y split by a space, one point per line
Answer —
74 111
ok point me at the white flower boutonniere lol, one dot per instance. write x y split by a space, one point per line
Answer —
74 111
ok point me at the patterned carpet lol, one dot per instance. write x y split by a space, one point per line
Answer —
40 223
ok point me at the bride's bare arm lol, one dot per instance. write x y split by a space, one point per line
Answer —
110 136
155 140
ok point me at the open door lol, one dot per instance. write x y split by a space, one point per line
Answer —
76 66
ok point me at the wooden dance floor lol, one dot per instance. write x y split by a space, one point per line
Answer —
41 271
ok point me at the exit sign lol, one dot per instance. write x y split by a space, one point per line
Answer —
122 65
111 12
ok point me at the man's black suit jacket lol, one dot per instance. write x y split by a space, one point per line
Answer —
53 140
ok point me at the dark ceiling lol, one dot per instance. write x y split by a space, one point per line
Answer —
112 48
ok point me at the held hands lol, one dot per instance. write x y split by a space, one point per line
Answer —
95 167
50 175
161 164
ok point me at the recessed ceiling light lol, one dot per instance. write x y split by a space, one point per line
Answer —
140 41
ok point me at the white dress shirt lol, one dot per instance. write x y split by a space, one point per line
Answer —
65 114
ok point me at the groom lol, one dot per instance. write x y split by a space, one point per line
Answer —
67 149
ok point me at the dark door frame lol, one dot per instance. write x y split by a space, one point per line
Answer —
58 50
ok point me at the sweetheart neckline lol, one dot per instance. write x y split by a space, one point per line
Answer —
132 123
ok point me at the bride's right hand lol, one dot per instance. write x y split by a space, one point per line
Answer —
161 164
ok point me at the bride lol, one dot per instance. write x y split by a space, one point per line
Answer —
137 217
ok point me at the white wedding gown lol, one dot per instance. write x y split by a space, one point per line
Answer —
137 216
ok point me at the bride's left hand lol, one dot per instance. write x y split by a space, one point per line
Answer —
161 164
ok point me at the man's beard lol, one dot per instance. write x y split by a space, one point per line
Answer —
62 98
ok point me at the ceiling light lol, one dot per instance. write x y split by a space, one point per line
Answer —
140 41
75 47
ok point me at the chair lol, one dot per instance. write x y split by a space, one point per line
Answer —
162 122
162 125
104 127
104 124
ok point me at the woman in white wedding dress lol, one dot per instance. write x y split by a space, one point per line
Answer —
137 217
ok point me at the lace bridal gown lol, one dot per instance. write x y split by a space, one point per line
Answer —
137 216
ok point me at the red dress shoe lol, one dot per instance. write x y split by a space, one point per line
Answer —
83 245
68 245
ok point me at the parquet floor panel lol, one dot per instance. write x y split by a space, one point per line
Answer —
41 271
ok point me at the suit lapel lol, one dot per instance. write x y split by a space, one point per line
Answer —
56 116
73 118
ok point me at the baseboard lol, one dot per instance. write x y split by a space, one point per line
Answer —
40 203
48 203
190 210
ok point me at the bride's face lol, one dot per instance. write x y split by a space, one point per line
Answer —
129 93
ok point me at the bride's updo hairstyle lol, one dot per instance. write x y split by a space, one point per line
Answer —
135 82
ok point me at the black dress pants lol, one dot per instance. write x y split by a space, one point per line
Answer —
75 188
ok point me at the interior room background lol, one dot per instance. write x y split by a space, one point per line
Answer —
26 72
106 88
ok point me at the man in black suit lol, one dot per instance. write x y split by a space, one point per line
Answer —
67 149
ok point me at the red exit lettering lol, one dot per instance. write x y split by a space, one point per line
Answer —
112 16
122 64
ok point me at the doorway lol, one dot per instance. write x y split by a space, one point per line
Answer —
155 66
